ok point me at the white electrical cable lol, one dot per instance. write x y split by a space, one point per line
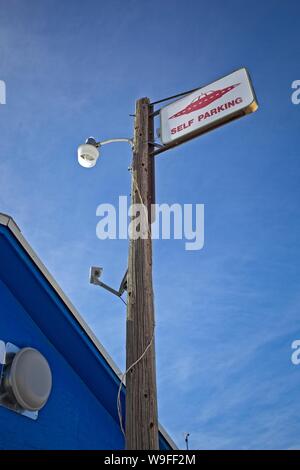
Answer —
142 202
122 381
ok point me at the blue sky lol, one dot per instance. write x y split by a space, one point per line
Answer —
226 315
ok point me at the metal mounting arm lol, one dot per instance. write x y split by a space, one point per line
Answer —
108 288
119 139
95 274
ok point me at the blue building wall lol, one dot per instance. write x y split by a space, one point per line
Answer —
82 409
73 418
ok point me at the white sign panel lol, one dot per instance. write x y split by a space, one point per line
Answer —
207 108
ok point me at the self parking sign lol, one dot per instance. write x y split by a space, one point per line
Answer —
207 108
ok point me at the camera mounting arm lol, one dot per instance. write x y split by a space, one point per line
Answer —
120 139
95 274
92 141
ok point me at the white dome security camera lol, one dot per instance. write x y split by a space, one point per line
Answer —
88 153
28 380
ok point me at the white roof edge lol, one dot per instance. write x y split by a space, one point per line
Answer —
8 221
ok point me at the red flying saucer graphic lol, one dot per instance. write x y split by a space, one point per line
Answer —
204 100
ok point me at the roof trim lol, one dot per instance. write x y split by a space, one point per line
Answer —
9 222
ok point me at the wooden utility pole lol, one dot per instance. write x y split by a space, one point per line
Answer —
141 394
